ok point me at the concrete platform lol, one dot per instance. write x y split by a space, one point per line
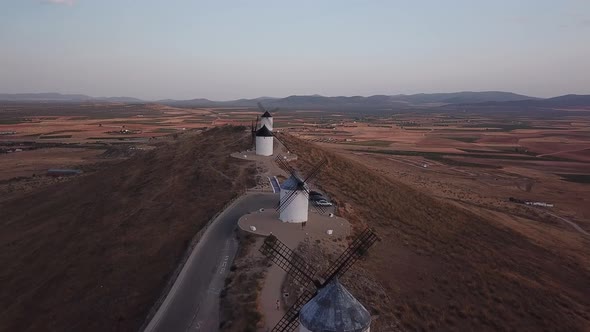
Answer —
251 155
316 228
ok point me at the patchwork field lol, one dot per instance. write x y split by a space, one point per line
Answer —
456 183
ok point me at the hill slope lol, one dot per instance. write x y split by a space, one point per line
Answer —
94 254
445 268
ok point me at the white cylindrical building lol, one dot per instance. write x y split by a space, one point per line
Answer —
334 309
266 120
296 209
264 142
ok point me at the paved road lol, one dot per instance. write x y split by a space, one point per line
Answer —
192 303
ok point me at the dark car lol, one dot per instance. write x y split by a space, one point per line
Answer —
315 198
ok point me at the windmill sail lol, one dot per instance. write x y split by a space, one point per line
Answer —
301 271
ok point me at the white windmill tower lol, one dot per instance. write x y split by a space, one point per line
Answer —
293 201
264 142
330 307
266 118
294 196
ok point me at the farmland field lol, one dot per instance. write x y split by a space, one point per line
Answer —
471 165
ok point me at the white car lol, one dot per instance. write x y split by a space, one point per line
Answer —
323 202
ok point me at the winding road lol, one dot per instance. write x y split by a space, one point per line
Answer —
193 301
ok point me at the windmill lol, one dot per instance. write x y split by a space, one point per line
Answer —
294 197
266 119
318 299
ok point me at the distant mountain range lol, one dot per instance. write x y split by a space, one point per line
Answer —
322 102
58 97
561 101
376 101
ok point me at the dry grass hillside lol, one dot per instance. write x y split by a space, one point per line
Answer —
95 253
445 268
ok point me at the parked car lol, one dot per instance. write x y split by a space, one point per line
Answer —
323 202
317 198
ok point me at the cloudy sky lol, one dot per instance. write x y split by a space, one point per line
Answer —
223 49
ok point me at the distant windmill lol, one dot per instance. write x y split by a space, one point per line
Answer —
262 139
329 307
294 197
266 117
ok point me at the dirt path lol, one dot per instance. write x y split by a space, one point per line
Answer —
271 292
569 222
560 152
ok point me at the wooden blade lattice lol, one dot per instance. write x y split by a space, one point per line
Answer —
357 248
290 320
288 260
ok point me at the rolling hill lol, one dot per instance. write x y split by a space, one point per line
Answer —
58 97
421 100
357 102
291 102
565 101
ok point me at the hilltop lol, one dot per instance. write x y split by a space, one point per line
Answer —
95 253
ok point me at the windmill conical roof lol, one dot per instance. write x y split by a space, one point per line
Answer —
266 115
334 309
263 131
292 183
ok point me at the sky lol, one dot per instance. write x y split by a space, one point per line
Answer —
221 49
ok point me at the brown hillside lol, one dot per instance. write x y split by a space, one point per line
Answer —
95 253
444 268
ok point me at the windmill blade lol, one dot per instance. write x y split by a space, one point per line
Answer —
260 107
358 247
253 133
287 200
315 171
290 321
283 165
320 209
282 142
288 260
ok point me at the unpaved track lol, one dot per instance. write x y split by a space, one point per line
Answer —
192 303
569 222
